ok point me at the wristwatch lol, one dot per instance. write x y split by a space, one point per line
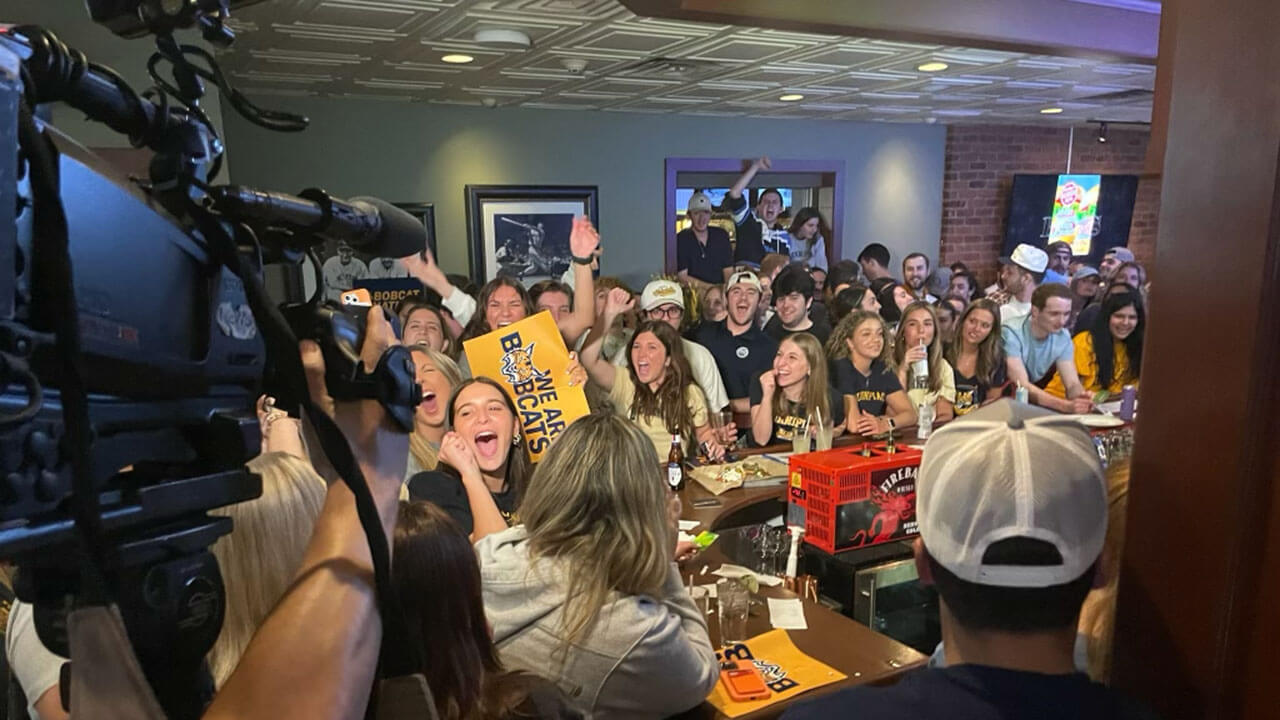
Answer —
892 425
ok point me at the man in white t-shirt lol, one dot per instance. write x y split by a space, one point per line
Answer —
1021 271
664 300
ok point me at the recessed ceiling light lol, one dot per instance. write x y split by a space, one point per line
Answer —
457 59
1050 111
791 97
933 67
503 38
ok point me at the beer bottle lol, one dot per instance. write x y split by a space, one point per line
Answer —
675 464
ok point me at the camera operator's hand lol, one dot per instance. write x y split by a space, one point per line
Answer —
314 656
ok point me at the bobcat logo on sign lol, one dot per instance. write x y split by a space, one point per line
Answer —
517 365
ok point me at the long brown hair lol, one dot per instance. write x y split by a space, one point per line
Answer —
437 578
816 396
935 345
519 464
478 324
990 350
668 403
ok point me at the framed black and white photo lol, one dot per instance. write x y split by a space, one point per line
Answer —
343 267
523 231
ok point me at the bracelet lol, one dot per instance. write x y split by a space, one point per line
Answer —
583 261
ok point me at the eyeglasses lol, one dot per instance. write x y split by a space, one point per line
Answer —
671 312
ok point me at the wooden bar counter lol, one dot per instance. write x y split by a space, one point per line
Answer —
859 652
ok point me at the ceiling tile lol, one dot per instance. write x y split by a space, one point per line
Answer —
391 49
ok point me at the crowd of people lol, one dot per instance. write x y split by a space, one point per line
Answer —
553 590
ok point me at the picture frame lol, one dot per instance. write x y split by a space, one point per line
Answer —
523 230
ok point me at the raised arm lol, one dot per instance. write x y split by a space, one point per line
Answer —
422 266
762 412
598 368
748 175
583 242
486 519
324 635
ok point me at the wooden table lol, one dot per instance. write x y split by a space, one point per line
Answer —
856 650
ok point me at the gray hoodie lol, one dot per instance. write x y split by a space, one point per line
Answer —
644 658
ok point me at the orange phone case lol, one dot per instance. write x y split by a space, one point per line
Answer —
743 682
358 297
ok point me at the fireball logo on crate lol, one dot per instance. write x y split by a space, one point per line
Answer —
894 509
517 365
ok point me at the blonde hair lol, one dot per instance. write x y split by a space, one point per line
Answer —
261 555
597 505
421 449
816 395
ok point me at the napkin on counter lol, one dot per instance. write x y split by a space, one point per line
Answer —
736 571
787 614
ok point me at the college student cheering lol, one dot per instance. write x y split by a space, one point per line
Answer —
796 389
655 390
874 401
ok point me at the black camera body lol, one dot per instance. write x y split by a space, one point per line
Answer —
177 339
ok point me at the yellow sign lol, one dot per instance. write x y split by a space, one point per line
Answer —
787 672
529 358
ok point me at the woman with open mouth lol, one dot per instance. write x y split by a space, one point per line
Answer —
656 390
484 463
784 398
437 375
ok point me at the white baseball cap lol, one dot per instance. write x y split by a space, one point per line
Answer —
1027 257
1012 470
743 277
659 293
698 201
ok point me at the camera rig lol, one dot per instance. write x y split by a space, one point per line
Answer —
135 335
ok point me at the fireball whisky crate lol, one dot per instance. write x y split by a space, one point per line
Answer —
855 496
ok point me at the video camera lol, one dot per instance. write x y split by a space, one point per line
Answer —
135 336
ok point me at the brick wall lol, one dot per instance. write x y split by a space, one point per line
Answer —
981 161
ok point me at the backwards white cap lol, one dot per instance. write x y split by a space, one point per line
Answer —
1011 470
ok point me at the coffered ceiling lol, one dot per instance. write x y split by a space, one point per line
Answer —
392 49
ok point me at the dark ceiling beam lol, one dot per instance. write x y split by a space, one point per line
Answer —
1042 27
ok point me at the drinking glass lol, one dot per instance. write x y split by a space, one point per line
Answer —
800 440
823 430
925 413
732 603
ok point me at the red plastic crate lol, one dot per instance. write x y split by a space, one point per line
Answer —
847 500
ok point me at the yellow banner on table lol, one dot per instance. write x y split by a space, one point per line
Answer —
529 358
787 671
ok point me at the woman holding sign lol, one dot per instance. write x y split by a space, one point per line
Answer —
656 389
504 300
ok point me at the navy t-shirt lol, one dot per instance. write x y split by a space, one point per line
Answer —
971 392
739 357
445 490
704 262
976 692
786 423
820 329
871 391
